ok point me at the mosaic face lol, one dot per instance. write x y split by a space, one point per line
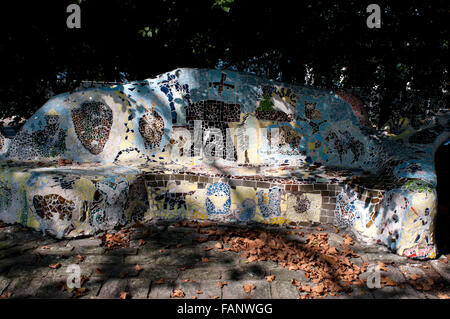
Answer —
92 122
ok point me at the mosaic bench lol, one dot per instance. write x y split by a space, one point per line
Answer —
225 146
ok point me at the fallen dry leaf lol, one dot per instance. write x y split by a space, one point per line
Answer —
348 240
141 242
5 295
194 297
249 287
99 271
159 282
382 266
201 239
270 278
81 258
295 282
79 292
306 288
115 240
177 293
55 266
124 295
199 292
216 297
219 246
317 289
83 279
386 281
221 284
415 276
443 296
138 268
205 259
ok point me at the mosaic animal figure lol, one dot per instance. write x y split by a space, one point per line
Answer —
345 144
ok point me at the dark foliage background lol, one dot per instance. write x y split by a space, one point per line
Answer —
399 69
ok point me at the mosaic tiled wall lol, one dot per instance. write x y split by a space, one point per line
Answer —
226 146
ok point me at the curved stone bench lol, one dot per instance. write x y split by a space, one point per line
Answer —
226 146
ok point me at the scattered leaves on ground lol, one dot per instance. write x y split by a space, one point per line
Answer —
321 263
116 239
270 278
